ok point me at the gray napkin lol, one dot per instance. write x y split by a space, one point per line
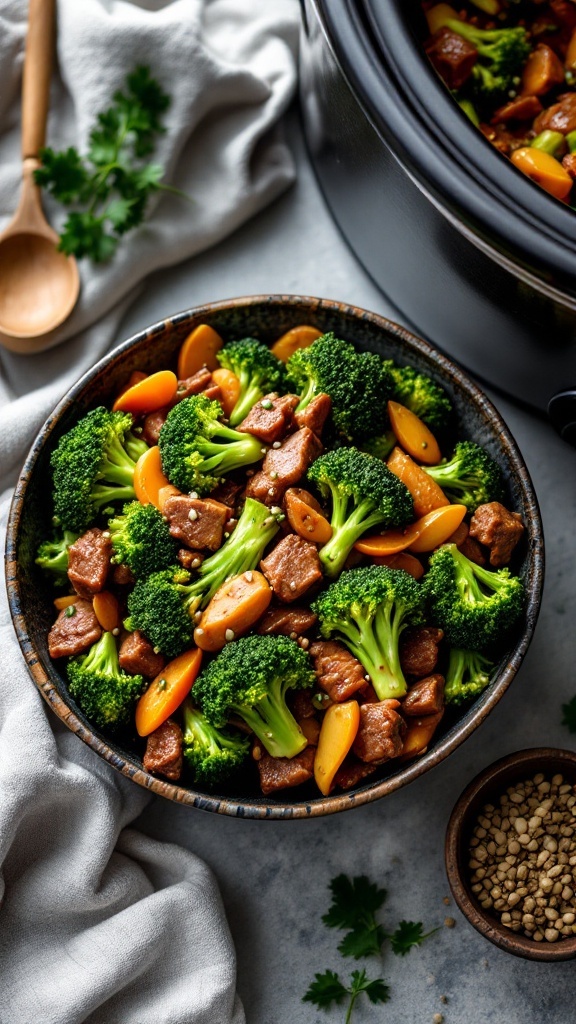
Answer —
98 923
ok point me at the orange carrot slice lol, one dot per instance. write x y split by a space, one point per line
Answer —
149 478
198 350
337 734
235 607
301 336
149 394
135 377
388 543
229 386
107 610
305 520
167 691
403 561
65 602
420 732
426 494
413 435
436 527
544 169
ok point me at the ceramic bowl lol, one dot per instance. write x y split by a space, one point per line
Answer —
486 788
265 317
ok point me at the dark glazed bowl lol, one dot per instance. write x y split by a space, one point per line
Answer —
266 317
491 782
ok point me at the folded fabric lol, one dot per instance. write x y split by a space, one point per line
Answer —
98 923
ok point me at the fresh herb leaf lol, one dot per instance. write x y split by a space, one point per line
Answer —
327 989
354 904
407 935
111 185
364 940
569 715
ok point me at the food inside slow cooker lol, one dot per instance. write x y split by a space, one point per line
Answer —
263 559
511 65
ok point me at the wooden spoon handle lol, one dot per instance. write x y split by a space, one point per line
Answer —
37 74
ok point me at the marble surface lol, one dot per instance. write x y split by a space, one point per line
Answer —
274 875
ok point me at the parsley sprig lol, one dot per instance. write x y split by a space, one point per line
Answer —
109 188
355 903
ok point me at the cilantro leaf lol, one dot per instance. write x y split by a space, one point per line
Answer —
377 990
407 935
63 174
569 715
352 900
364 940
325 990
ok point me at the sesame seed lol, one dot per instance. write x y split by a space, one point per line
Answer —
292 585
199 631
195 563
249 576
229 635
192 515
264 451
276 510
193 495
276 444
273 475
266 404
305 644
271 492
115 631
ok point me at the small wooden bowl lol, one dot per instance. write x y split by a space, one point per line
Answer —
486 788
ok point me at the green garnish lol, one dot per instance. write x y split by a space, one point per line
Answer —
109 188
327 989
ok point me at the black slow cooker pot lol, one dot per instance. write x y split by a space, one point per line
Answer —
474 255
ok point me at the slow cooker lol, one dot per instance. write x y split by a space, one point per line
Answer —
474 255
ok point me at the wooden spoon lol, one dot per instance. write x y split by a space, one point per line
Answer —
38 284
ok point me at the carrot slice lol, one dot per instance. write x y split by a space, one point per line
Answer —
388 543
436 527
337 734
107 610
135 377
413 435
438 15
301 336
149 478
235 607
403 561
149 394
167 691
198 350
426 494
65 602
420 732
542 71
229 386
305 520
544 169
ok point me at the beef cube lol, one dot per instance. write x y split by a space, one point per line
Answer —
89 562
569 164
380 733
262 488
271 418
550 68
287 621
292 567
194 385
197 522
164 751
498 529
452 56
419 650
426 697
521 108
138 657
153 424
560 117
315 414
288 464
122 576
339 673
189 559
351 772
282 772
74 632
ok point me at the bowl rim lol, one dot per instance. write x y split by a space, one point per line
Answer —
280 810
516 764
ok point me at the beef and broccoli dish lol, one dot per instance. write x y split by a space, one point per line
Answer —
280 557
511 65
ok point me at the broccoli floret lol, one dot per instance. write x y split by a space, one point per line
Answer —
380 446
197 449
422 395
141 539
358 384
251 678
501 55
470 477
258 370
474 606
52 557
367 609
161 605
468 674
364 493
105 693
93 466
211 753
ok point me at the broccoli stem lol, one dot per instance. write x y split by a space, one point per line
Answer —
226 457
548 142
249 395
347 527
469 109
102 496
470 577
374 640
102 657
273 723
116 465
307 396
571 141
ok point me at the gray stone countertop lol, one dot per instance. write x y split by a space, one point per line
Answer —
274 875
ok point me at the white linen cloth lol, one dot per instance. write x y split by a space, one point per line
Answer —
97 922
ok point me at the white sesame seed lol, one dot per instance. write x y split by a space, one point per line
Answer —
106 533
195 563
193 495
271 492
292 585
276 444
264 451
276 510
229 634
273 475
115 631
249 576
199 632
192 515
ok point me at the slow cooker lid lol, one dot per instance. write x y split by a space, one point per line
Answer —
377 44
